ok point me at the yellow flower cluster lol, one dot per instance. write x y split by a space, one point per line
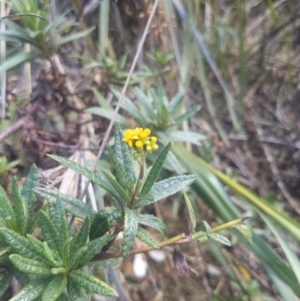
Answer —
140 139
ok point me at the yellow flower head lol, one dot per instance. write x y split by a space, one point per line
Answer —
140 140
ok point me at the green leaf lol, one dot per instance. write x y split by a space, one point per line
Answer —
220 238
121 172
55 288
76 258
5 282
94 246
147 238
153 222
207 227
188 114
176 102
77 293
36 244
6 210
110 188
130 230
49 231
27 193
18 59
124 196
141 200
30 266
191 211
123 155
20 207
246 232
31 291
75 36
104 220
168 187
92 284
70 204
63 240
82 236
52 256
155 170
20 244
201 236
191 137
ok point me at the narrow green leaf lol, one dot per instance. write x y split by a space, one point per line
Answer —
220 238
194 138
123 155
49 231
60 270
55 288
168 187
110 188
124 196
52 256
6 210
176 102
121 173
130 230
30 266
82 236
147 238
207 227
104 220
62 228
155 170
27 193
31 291
76 258
76 292
20 208
144 103
75 36
141 200
20 244
153 222
66 251
94 246
190 210
5 283
188 114
92 284
70 204
18 59
36 244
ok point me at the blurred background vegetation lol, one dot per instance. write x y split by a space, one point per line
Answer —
218 78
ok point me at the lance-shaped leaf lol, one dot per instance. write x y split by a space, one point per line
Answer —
62 228
37 245
130 230
6 210
153 222
191 211
76 258
122 176
207 227
70 204
104 220
124 196
5 282
155 170
141 200
52 256
20 244
82 236
31 291
92 284
170 186
55 288
123 154
49 231
94 246
220 238
76 292
20 207
28 194
147 238
30 266
110 188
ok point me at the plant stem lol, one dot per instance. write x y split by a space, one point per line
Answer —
178 239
